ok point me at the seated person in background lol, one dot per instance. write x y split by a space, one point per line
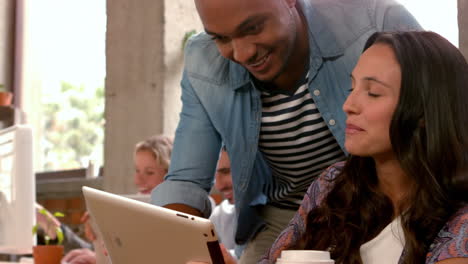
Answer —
151 158
81 256
401 196
223 216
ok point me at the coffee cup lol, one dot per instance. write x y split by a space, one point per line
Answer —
304 257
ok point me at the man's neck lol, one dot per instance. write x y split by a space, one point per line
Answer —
272 88
299 59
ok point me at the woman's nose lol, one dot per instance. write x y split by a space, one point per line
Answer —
350 105
137 178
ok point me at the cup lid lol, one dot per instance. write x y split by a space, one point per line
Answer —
302 255
279 261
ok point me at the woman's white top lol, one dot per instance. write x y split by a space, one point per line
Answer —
386 247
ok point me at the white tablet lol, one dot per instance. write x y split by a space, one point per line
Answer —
138 232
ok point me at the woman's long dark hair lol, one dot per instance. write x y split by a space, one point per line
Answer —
429 135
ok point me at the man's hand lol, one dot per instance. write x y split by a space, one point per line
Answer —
79 256
228 258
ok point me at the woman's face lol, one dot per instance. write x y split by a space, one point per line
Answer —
148 171
376 82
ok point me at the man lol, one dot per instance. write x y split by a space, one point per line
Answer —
268 79
224 215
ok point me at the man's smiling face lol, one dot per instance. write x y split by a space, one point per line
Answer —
259 35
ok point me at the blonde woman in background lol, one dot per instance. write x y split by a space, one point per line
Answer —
151 158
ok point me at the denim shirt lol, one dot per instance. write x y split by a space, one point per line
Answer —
221 104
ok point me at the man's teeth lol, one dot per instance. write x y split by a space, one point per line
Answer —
259 62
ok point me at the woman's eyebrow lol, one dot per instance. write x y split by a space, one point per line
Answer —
373 79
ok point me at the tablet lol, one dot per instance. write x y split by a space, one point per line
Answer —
138 232
138 196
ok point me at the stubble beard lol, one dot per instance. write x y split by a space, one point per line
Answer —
286 60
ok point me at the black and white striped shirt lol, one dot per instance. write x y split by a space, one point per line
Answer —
296 143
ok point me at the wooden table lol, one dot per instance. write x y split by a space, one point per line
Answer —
15 251
15 254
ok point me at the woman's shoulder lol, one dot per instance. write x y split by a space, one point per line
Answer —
452 239
334 170
458 224
323 184
460 216
327 178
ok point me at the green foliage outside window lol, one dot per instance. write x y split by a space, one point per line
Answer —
74 127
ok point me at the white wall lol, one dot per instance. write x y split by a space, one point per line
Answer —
436 15
463 26
180 17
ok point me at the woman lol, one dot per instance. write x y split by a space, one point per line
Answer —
401 197
151 158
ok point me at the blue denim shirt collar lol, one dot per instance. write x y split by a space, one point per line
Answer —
242 74
325 46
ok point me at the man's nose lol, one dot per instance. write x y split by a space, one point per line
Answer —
243 51
219 184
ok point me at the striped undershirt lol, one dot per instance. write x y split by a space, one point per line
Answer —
296 143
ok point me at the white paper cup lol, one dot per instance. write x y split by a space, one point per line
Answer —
304 257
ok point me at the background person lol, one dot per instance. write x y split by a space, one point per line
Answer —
223 216
401 195
81 256
268 78
152 159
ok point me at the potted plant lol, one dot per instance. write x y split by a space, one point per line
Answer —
5 96
52 250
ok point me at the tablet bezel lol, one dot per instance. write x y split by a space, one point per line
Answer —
138 232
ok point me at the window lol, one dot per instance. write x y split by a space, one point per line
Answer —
446 13
67 48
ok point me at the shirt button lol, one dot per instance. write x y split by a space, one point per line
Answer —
332 122
242 185
316 92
